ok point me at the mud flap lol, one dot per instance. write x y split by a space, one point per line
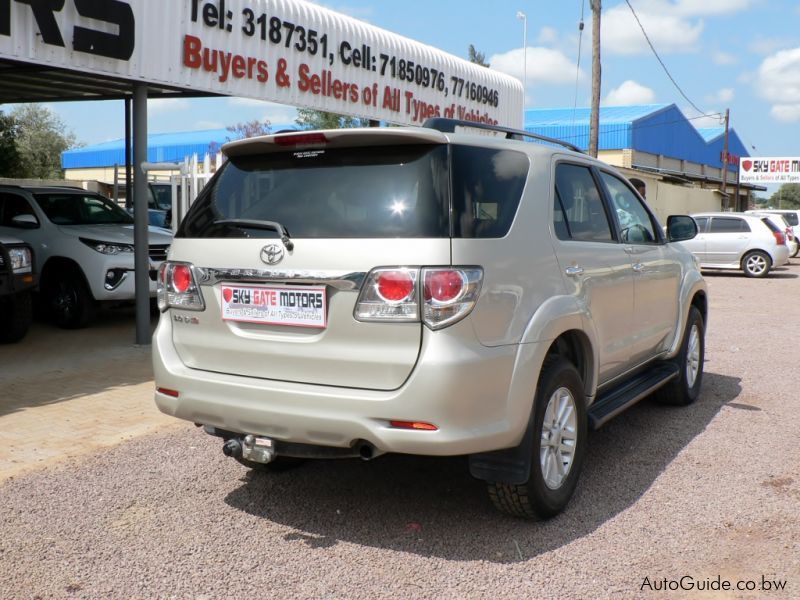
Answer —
510 465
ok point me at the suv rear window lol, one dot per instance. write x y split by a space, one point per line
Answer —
374 192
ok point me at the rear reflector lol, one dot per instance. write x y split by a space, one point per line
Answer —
168 392
418 425
302 139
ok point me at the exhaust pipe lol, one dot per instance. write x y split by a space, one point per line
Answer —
365 450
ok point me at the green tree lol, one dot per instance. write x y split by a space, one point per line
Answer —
479 58
787 196
41 138
9 157
309 118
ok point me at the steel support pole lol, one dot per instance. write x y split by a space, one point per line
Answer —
140 232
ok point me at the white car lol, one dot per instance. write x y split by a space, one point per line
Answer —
83 248
750 243
791 219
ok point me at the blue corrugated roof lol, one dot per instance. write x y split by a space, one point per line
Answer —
659 129
161 147
711 133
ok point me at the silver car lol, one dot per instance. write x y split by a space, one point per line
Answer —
425 291
750 243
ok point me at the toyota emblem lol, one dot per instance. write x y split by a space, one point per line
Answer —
272 254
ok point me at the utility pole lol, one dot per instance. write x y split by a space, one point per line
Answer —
594 117
725 201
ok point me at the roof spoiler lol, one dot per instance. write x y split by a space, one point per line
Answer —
449 126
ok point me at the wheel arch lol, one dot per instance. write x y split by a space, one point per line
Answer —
61 265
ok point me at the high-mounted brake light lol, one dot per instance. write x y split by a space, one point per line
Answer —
301 139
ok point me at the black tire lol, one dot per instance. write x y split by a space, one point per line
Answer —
684 389
756 264
16 314
796 252
69 302
277 465
535 499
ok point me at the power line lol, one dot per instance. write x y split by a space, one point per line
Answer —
578 65
671 78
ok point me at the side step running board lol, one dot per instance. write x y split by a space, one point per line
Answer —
615 400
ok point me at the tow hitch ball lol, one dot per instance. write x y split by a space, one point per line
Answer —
252 448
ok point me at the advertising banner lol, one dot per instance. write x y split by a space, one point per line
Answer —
769 169
287 51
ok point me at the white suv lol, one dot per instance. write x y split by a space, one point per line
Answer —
426 291
83 245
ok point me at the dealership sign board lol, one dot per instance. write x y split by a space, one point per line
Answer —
287 51
769 169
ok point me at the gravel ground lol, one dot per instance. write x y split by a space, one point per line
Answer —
712 490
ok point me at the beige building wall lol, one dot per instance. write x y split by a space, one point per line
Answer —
669 199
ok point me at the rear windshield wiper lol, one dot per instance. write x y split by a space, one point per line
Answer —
258 224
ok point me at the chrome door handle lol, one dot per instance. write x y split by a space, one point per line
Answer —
573 271
638 267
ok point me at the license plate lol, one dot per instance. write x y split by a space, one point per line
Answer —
295 306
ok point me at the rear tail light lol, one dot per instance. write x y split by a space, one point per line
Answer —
177 287
779 238
389 294
438 296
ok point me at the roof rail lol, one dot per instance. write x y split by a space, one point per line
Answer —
449 126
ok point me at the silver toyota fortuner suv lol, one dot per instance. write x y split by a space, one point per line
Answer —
445 290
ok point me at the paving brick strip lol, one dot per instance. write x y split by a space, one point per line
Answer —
68 393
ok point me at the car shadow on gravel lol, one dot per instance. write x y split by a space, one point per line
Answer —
432 507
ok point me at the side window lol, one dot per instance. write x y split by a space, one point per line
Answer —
12 205
635 223
580 206
701 224
487 188
728 225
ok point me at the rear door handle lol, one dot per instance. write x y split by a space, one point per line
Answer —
573 271
638 267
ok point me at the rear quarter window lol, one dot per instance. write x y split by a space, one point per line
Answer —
487 188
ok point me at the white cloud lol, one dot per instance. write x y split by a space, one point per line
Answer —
723 58
547 36
544 65
159 106
767 45
779 77
721 96
693 8
668 32
630 92
787 113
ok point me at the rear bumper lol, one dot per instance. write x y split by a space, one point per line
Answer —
458 385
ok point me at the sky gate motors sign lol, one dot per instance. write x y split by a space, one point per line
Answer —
769 170
287 51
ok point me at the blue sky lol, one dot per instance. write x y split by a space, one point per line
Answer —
737 54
